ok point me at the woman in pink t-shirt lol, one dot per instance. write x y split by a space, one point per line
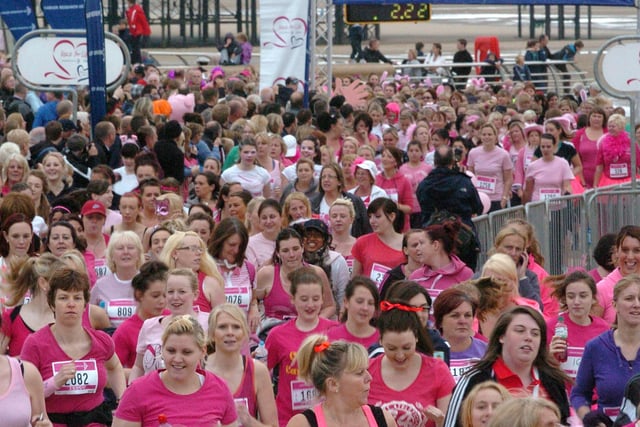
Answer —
295 395
415 170
548 177
493 168
75 362
183 394
414 386
248 379
577 295
378 252
397 186
361 301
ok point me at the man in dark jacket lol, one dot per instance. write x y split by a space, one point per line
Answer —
448 188
372 53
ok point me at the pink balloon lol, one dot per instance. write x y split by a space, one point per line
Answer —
486 202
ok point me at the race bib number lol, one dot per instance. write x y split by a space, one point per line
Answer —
350 265
486 184
120 310
611 412
574 357
303 395
618 170
549 193
85 381
100 267
459 366
240 296
377 273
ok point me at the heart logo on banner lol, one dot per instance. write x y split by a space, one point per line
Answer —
290 33
68 55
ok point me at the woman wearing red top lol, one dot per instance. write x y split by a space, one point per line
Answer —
139 29
586 142
378 252
248 380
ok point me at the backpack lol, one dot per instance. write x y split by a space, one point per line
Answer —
466 243
630 401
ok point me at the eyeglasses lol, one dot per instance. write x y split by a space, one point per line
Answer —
191 248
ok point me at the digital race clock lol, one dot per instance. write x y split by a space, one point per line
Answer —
389 12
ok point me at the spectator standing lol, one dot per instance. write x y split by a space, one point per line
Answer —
355 38
139 30
462 55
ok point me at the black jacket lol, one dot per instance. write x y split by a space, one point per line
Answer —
370 55
555 389
448 189
462 56
171 159
360 222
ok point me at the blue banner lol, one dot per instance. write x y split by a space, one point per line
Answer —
18 16
96 61
66 15
505 2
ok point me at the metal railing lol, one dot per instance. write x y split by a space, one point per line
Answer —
567 228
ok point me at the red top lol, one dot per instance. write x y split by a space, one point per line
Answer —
138 24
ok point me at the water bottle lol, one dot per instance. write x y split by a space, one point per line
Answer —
261 352
162 420
561 331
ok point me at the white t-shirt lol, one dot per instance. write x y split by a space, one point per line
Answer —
252 180
128 182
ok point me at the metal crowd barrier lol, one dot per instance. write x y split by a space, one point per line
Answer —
568 227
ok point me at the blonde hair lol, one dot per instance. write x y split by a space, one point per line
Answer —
66 168
185 325
176 205
504 266
207 264
232 311
346 203
252 207
74 259
26 278
124 237
20 137
467 404
522 412
317 364
21 161
185 272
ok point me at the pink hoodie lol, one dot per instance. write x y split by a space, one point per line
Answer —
436 281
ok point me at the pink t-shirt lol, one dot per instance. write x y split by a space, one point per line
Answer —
125 339
434 381
577 338
375 257
605 295
436 281
525 157
340 332
260 250
44 352
149 343
283 342
488 167
115 296
548 178
400 191
147 398
415 175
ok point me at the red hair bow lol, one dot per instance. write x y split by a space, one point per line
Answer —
321 347
386 306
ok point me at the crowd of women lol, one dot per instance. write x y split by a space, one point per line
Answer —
141 295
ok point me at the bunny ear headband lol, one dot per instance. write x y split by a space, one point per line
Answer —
426 83
479 82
